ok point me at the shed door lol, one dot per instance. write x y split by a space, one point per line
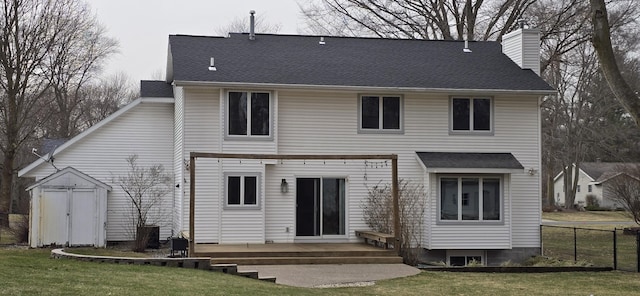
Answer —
54 213
83 218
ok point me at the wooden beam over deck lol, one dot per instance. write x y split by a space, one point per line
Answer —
394 181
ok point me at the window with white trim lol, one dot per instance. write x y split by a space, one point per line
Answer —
470 198
465 257
380 113
249 114
242 190
471 114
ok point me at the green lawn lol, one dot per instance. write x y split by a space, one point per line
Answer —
31 272
593 246
588 216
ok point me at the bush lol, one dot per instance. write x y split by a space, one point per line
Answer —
592 201
378 214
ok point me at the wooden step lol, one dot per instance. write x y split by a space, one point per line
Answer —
279 260
252 274
271 279
225 268
369 253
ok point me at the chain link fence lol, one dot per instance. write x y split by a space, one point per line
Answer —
600 247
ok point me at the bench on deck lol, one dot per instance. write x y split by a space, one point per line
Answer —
378 238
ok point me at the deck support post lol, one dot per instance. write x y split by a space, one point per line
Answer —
192 203
396 204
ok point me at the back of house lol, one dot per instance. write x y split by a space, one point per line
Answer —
463 124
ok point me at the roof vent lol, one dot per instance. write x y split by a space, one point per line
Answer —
212 65
252 25
321 41
523 24
466 46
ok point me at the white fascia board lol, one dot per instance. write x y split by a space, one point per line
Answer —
362 88
92 129
473 171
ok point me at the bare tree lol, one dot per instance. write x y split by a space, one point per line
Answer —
625 94
413 19
103 98
31 31
625 189
378 214
74 63
145 188
241 25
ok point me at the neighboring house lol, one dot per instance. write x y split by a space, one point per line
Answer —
464 123
593 179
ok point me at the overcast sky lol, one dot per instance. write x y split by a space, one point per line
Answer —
143 27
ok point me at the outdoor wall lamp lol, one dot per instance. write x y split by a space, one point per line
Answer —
284 186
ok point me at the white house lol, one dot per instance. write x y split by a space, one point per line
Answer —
464 123
593 179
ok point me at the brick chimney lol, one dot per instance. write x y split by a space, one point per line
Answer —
523 46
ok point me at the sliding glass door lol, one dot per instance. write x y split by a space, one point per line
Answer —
320 207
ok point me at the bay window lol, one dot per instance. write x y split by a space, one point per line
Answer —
470 198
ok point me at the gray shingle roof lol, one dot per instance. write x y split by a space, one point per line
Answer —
344 61
469 160
155 89
601 171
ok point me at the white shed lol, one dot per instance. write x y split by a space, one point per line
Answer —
68 208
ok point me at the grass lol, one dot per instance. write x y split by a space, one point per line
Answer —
594 246
588 216
31 272
105 252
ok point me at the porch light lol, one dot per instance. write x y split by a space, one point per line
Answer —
284 186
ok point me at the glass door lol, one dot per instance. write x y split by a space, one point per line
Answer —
320 207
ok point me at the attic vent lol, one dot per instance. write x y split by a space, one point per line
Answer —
321 41
212 65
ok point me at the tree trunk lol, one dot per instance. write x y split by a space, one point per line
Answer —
602 43
6 180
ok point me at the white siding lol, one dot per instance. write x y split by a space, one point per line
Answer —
144 130
326 123
202 134
306 122
523 47
178 160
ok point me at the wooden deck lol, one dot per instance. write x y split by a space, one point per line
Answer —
303 253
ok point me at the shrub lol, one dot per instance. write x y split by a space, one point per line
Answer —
378 214
592 201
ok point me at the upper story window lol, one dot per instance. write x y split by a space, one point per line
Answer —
380 113
248 114
471 114
469 198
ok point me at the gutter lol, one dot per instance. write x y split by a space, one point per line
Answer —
360 88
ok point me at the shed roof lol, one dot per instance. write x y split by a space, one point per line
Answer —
347 61
71 170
